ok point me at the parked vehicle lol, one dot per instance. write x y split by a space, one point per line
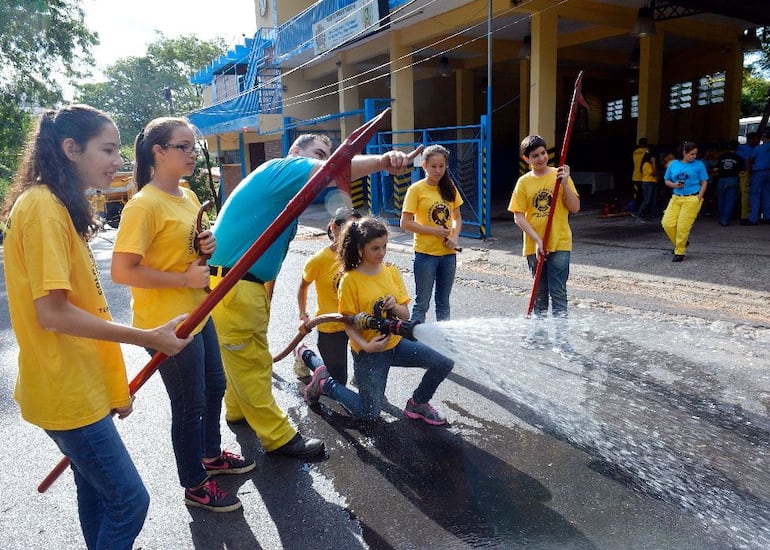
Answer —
746 125
110 207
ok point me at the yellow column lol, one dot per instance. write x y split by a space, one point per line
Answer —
650 87
401 86
733 88
464 94
542 92
348 96
524 85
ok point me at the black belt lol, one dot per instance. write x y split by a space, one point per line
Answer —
222 271
690 195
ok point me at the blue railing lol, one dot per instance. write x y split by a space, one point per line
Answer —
295 36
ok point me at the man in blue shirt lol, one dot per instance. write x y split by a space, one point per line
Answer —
242 316
744 151
759 181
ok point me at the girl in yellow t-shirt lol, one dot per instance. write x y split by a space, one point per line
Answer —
324 269
372 286
432 212
156 253
72 378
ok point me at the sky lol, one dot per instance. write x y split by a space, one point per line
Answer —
125 28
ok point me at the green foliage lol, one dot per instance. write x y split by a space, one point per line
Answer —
199 183
13 134
4 185
133 90
40 38
754 94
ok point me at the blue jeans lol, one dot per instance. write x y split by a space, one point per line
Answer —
195 382
647 208
371 371
553 283
727 193
428 269
759 195
112 500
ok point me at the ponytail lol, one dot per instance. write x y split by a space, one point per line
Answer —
157 132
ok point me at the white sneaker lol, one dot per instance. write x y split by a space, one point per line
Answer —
565 349
300 368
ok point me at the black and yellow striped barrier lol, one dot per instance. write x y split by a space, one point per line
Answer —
400 184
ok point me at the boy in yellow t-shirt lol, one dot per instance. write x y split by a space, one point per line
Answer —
531 204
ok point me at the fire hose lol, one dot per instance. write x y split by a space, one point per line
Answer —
362 321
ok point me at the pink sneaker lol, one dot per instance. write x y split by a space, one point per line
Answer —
424 412
315 388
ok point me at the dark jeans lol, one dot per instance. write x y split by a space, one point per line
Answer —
112 500
553 283
333 347
647 208
427 270
195 382
371 370
727 194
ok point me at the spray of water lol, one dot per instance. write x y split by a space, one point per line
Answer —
674 409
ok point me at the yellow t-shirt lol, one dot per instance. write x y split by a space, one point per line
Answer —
424 201
532 196
358 293
99 202
324 269
161 228
64 382
648 173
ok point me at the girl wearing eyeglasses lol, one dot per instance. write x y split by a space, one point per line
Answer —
156 253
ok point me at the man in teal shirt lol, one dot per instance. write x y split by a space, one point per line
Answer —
242 316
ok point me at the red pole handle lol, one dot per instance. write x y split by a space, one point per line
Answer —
577 97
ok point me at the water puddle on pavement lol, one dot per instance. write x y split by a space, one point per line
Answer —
673 409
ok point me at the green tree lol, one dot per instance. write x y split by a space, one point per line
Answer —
132 91
38 38
754 95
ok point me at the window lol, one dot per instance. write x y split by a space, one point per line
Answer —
634 106
614 110
711 89
231 157
680 96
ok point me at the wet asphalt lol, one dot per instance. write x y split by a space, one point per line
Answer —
635 443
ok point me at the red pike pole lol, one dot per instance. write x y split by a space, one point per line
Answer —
337 167
577 97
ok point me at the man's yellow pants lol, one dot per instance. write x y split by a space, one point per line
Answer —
241 319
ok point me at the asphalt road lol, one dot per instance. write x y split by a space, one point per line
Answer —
655 435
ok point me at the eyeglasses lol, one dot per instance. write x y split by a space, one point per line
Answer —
186 149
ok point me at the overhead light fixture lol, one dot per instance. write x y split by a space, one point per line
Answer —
749 41
444 70
645 23
525 52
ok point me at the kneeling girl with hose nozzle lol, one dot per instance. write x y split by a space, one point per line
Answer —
370 285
